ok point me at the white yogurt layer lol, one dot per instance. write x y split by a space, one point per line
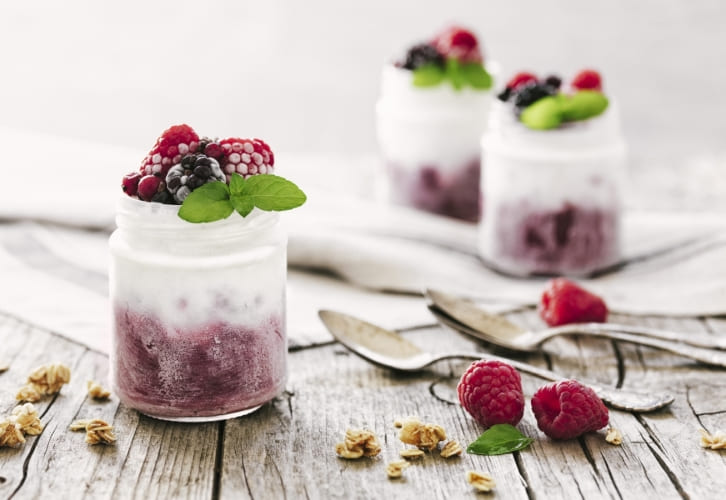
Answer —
188 275
429 126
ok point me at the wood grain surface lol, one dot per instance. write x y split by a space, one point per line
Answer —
286 449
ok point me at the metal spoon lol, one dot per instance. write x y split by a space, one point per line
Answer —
466 317
390 350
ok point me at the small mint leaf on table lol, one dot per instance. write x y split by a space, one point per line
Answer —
207 203
428 75
271 192
498 440
475 75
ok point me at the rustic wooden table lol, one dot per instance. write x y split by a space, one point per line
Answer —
286 449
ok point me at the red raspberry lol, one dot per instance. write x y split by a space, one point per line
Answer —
149 185
564 302
170 147
491 391
521 79
246 157
458 43
587 79
130 183
567 409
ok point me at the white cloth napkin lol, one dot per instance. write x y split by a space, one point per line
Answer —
55 275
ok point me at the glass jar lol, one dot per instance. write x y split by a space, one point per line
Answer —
198 312
552 198
429 140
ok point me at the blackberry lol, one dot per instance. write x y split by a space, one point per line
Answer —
192 172
505 94
553 81
530 93
422 54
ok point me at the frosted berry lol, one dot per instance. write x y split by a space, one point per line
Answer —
458 43
211 148
528 93
587 79
421 55
521 78
568 409
193 171
149 186
246 157
491 391
170 147
565 302
553 81
130 183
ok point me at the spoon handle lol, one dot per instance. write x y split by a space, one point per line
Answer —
622 399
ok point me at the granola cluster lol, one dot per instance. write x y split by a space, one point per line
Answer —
716 441
424 436
44 380
358 443
23 421
480 481
613 436
97 391
97 431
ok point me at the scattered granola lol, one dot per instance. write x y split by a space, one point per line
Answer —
26 416
97 431
395 469
716 441
11 435
613 436
4 367
480 481
451 449
412 453
97 391
29 393
358 443
398 423
425 436
48 379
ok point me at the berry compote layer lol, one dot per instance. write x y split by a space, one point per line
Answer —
199 312
432 111
553 197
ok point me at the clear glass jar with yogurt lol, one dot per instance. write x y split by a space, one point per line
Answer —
429 141
199 328
552 198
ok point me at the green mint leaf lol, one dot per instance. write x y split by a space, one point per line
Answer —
498 440
271 192
236 184
243 204
475 75
428 75
207 203
454 74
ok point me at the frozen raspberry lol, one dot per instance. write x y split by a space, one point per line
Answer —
458 43
193 171
246 157
211 148
130 183
587 79
421 55
149 186
521 78
567 409
170 147
565 302
491 391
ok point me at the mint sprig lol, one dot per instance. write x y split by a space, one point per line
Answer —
217 200
498 440
459 75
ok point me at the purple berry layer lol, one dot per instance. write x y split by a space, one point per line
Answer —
573 239
212 370
452 193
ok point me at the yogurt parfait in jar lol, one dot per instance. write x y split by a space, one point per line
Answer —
197 279
555 162
432 111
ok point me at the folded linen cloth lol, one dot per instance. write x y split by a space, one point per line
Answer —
55 272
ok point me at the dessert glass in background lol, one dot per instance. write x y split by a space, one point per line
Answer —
431 114
555 163
199 329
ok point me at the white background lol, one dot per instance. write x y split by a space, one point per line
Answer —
304 74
